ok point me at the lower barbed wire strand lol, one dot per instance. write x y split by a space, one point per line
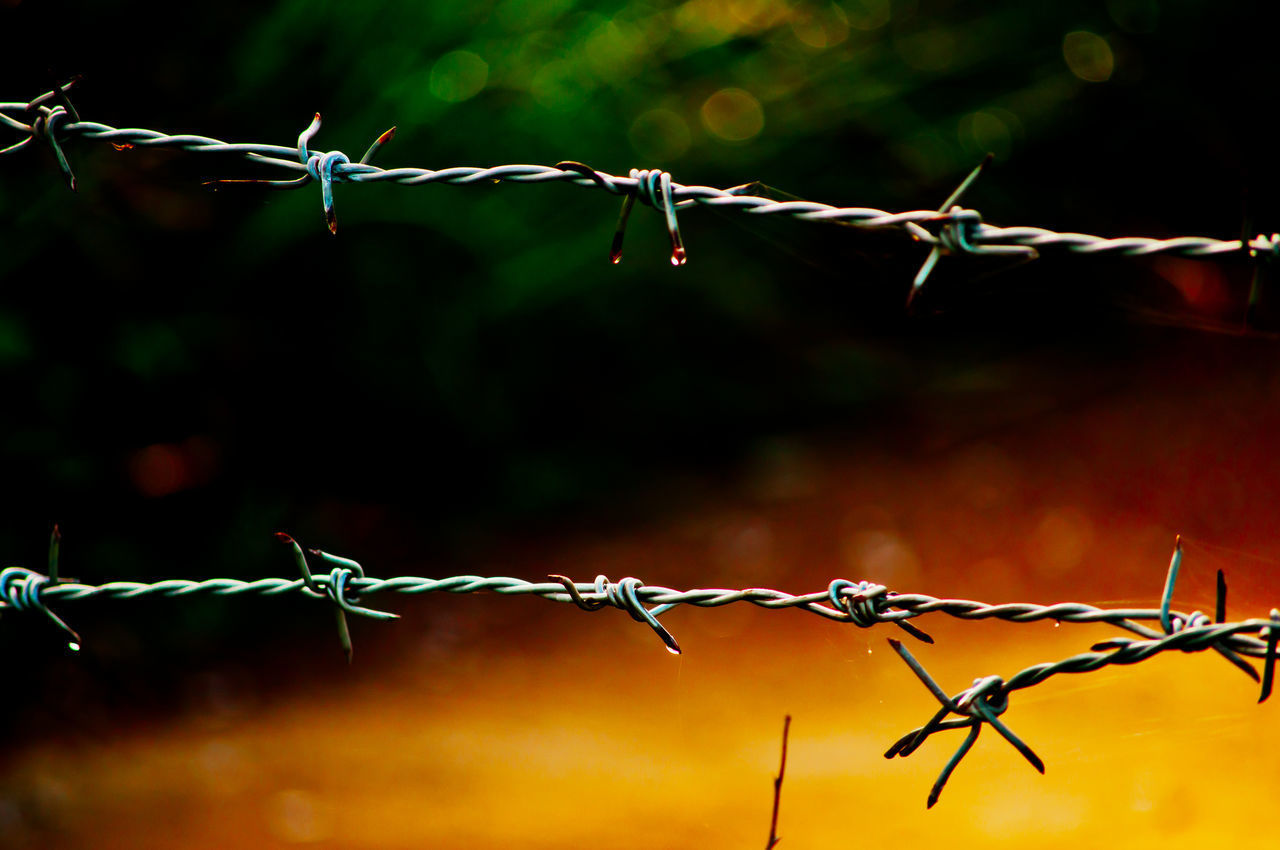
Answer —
893 607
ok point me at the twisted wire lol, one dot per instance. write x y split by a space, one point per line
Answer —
960 230
877 605
864 604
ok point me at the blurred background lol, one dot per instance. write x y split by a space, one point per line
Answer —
461 382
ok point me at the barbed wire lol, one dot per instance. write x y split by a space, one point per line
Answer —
959 230
949 230
863 603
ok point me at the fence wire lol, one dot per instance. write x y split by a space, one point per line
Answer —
863 604
950 229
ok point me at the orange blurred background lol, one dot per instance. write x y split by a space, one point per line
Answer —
514 722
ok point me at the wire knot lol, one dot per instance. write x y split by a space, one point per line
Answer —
981 703
327 168
20 589
866 604
1180 622
623 594
652 187
46 124
863 604
989 692
336 587
956 235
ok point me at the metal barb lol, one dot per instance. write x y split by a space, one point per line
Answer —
1172 625
583 169
1220 601
983 702
654 188
335 589
1269 666
622 594
1170 579
961 231
865 605
20 589
377 144
572 588
55 546
948 206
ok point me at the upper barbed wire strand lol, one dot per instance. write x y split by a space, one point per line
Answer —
979 234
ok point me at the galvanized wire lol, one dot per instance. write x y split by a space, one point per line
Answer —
864 604
951 229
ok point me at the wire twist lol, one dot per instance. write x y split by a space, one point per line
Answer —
863 603
21 589
960 230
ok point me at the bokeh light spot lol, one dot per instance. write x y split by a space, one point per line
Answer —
458 76
559 86
659 135
733 115
295 818
1060 542
166 468
881 555
984 131
1088 56
820 28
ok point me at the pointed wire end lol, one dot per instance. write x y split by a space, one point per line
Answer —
1220 608
932 801
1269 666
987 160
678 257
1177 542
911 296
281 536
331 218
917 633
386 137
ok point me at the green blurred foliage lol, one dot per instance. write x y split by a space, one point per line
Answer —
185 371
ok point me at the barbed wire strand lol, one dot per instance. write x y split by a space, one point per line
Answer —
960 230
863 603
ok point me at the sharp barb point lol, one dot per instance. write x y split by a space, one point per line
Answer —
1220 604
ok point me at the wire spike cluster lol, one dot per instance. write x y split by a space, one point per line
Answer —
335 588
950 229
863 604
984 702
